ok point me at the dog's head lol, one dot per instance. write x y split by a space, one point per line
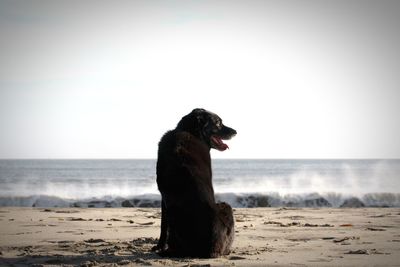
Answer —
208 127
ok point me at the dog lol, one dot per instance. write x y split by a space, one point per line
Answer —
192 223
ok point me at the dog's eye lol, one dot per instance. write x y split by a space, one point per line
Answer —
218 124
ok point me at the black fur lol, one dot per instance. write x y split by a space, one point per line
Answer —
192 224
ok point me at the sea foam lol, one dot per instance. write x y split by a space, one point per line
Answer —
242 200
241 183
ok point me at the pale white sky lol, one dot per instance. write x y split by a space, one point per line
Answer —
105 79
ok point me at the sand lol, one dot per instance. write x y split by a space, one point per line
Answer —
264 236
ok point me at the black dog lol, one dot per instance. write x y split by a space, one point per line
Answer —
192 224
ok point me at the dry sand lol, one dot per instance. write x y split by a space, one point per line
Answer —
264 236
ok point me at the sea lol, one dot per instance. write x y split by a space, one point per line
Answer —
240 182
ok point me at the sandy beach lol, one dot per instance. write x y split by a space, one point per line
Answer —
264 236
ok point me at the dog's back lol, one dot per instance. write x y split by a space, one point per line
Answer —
184 162
184 180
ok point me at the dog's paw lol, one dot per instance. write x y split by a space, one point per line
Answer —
157 248
169 253
161 246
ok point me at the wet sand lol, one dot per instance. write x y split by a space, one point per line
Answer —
264 236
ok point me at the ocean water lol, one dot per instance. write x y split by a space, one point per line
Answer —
242 183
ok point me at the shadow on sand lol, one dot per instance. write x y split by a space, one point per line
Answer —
90 253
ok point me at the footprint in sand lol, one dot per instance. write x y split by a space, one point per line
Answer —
146 223
358 251
375 229
338 240
236 258
74 219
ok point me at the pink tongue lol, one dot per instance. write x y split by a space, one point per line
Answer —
224 146
221 145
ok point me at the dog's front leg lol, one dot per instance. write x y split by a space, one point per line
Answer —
162 241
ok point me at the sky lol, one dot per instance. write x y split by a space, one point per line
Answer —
106 79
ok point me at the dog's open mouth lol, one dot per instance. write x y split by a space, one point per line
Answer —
216 142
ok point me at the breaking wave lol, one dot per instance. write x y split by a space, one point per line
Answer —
236 200
241 183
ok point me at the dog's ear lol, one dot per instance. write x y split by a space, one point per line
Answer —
200 115
194 121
